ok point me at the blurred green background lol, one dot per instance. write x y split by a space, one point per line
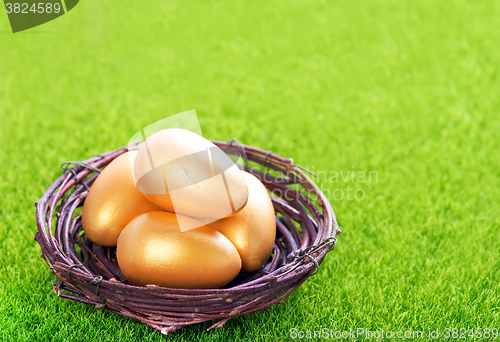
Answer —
406 89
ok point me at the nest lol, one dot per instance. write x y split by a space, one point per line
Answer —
306 231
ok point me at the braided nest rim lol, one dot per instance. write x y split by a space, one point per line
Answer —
88 273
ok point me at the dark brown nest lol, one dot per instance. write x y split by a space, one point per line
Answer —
88 273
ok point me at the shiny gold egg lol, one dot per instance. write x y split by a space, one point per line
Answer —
253 229
113 202
153 250
185 173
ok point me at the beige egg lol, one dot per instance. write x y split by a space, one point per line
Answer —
253 229
185 173
153 250
113 202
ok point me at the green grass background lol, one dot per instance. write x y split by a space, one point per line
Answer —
408 89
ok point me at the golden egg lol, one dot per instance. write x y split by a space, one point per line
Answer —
113 202
185 173
252 230
153 250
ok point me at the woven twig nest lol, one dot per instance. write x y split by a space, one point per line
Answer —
89 273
